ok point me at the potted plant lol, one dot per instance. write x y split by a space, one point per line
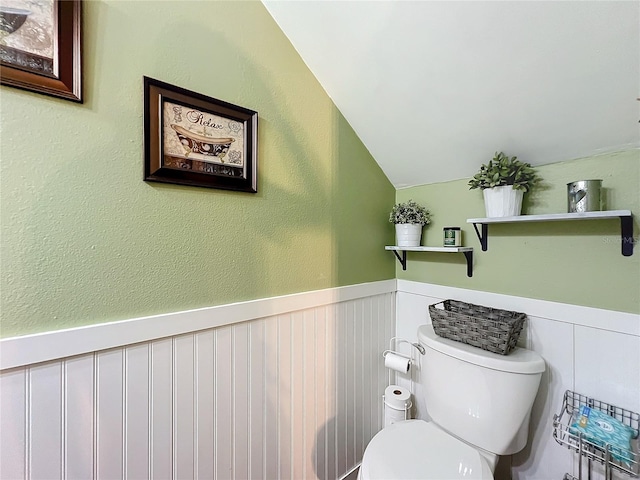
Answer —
409 218
504 181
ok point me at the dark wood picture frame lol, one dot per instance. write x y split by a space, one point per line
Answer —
193 139
65 78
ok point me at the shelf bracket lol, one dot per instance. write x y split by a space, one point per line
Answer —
482 236
403 259
469 257
626 227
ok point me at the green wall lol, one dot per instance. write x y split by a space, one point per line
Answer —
577 262
85 240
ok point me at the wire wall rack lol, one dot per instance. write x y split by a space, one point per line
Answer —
564 435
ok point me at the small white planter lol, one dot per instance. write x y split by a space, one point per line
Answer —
502 201
408 234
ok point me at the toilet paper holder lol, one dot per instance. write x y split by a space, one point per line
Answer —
393 344
398 340
388 403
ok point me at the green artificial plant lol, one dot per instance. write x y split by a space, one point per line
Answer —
504 170
410 212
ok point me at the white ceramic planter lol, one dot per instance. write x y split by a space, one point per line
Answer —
408 234
502 201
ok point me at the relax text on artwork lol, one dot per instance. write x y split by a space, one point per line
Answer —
195 116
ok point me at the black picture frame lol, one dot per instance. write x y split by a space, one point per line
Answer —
59 76
192 139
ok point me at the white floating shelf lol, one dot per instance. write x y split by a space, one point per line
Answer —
625 217
467 251
551 217
430 249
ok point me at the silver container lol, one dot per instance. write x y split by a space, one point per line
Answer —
584 196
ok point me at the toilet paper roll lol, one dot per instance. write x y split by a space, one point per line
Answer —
397 362
397 397
393 416
397 404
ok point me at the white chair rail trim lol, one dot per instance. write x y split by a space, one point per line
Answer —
42 347
610 320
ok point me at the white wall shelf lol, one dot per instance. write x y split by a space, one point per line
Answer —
402 258
625 216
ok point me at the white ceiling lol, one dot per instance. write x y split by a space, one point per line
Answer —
434 88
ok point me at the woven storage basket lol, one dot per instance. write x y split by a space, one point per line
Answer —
483 327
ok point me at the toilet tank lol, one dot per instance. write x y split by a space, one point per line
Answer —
481 397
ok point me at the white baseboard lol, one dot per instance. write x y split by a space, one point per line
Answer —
351 474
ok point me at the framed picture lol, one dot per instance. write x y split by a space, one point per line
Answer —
40 46
192 139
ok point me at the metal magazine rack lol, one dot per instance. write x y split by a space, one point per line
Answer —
589 451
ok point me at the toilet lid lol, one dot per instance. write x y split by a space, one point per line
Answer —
415 449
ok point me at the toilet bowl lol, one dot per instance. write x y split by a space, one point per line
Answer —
479 404
415 449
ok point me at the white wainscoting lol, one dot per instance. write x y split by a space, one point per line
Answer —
588 350
282 388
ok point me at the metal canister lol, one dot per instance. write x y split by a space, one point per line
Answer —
584 196
452 236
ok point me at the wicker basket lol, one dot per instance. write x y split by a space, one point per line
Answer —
483 327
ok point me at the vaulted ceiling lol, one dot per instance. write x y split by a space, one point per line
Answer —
434 88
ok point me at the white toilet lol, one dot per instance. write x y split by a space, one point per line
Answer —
479 404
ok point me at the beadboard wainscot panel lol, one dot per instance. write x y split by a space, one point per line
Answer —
110 413
161 408
583 348
79 416
14 423
286 387
46 442
136 448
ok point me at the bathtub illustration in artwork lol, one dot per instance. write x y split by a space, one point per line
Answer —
203 144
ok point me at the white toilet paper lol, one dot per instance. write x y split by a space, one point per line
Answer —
397 404
397 362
